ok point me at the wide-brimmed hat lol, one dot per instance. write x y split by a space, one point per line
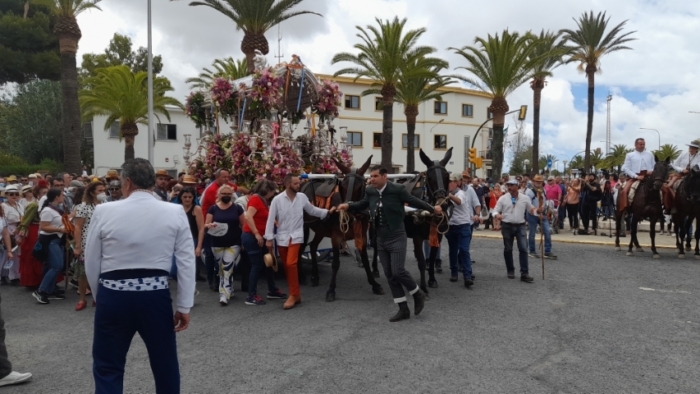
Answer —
538 178
26 189
162 172
31 176
189 180
11 189
513 182
76 184
271 261
11 178
456 177
694 145
112 174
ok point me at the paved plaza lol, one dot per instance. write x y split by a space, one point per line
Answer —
601 322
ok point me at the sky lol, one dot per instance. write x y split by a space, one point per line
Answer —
654 86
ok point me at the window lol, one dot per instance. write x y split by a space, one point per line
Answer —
489 114
440 141
87 130
404 141
440 108
114 130
467 110
378 104
377 140
355 138
167 132
352 102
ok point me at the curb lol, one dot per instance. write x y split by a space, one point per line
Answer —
570 241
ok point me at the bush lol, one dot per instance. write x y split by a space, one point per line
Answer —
14 165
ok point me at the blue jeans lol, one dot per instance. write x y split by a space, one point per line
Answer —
255 254
533 222
54 263
426 252
458 239
511 232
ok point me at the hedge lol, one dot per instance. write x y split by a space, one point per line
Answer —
13 165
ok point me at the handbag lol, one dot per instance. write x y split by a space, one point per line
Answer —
41 248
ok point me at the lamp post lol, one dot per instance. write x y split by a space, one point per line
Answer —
657 132
441 120
565 161
150 89
526 163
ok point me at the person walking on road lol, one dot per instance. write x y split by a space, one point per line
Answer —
386 201
510 210
538 198
128 256
288 208
459 234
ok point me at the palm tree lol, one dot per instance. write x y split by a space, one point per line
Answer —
223 68
68 33
542 162
616 157
500 65
382 58
254 17
667 151
549 47
596 158
587 45
412 91
576 163
121 95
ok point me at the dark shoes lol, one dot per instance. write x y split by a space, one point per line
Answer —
526 278
41 297
550 255
468 283
453 278
419 301
511 275
403 314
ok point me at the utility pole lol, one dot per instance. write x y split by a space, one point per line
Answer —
608 131
279 55
151 158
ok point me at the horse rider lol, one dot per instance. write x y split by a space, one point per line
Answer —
683 164
638 165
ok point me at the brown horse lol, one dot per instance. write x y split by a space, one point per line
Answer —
341 227
646 204
686 210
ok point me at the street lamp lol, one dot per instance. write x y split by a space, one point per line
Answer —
151 124
441 120
526 163
657 132
565 161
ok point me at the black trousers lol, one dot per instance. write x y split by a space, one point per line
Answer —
588 214
392 254
5 364
572 210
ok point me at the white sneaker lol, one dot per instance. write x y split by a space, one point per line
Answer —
15 378
222 300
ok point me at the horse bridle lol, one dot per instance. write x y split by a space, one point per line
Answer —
352 177
441 191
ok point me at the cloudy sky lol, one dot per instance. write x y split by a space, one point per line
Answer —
653 86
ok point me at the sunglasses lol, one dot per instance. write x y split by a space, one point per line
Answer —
114 189
12 194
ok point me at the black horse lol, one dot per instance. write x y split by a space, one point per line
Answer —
686 210
645 205
341 227
432 187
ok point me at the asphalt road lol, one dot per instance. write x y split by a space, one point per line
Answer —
601 322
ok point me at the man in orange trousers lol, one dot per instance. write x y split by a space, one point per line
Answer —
288 208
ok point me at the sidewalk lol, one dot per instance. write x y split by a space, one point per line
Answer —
566 236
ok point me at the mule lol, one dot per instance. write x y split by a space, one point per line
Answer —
341 227
645 205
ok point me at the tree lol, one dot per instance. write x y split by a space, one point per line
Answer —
596 159
500 64
576 162
383 55
122 95
223 68
668 151
521 150
28 48
119 52
412 91
616 157
68 33
30 122
587 45
549 48
255 17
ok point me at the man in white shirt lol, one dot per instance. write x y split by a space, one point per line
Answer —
466 211
288 209
638 164
130 246
510 210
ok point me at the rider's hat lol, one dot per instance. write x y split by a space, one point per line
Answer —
694 145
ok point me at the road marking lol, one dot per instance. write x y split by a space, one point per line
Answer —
664 291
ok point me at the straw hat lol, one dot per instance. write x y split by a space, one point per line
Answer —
162 172
112 174
11 178
538 178
271 261
189 180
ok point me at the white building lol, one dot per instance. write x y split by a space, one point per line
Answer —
450 123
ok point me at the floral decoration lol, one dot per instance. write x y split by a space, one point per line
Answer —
266 93
196 109
224 97
329 100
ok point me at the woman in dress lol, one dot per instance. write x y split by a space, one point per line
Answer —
196 219
573 197
31 269
93 195
254 243
14 212
494 194
224 222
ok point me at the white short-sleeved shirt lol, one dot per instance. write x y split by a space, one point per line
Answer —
50 215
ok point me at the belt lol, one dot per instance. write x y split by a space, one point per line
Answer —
513 224
136 284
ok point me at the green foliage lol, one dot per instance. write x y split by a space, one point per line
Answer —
31 121
223 68
28 47
119 53
668 151
615 158
73 8
14 165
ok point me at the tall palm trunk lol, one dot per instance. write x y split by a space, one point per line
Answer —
498 107
411 113
388 94
129 131
537 86
68 33
590 72
249 44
